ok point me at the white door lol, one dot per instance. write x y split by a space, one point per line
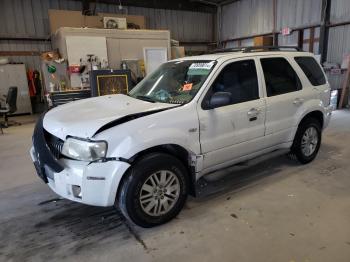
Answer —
285 96
154 57
237 129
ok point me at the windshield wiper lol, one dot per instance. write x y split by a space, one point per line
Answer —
146 98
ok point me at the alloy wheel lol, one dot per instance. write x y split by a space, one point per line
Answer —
159 193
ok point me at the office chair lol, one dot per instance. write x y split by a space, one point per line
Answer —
10 106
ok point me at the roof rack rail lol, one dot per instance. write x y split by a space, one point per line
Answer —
250 49
269 48
224 50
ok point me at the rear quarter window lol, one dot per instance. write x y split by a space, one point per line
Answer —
311 69
280 77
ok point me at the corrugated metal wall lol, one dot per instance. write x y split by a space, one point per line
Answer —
29 18
338 46
298 13
340 11
339 38
32 62
339 43
250 17
245 18
184 25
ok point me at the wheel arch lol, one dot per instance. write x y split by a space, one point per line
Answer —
296 150
316 114
177 151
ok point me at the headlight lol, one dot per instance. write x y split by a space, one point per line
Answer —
85 150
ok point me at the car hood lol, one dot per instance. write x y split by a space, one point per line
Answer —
84 118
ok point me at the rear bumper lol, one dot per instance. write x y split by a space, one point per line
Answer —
327 116
89 183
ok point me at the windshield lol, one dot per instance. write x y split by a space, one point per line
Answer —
174 82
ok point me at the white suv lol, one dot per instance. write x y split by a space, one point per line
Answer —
143 152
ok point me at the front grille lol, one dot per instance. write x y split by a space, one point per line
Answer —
55 144
56 148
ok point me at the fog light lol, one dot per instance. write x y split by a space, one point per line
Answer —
76 191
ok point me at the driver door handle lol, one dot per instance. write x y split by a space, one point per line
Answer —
253 114
298 101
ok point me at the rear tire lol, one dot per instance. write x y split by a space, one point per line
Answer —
307 140
154 190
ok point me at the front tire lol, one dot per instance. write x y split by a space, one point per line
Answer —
307 140
154 190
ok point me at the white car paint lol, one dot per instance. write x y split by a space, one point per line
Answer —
214 138
84 117
227 133
167 127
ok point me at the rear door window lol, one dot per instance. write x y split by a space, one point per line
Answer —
280 77
311 69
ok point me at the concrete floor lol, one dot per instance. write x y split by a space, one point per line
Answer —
275 211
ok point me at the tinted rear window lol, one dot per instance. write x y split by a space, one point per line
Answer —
280 77
312 70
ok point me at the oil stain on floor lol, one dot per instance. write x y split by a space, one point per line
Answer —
60 228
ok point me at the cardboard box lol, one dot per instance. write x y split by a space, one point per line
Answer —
64 18
263 41
177 52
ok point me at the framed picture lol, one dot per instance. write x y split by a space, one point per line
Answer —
109 82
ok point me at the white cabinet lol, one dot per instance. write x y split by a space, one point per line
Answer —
15 75
112 45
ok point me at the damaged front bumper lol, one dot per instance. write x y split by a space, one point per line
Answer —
89 183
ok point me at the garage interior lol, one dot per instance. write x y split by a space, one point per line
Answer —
274 210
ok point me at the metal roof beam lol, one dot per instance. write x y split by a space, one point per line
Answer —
187 5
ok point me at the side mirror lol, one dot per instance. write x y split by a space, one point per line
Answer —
219 99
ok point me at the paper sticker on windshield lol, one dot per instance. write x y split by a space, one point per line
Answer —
187 87
200 68
202 65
